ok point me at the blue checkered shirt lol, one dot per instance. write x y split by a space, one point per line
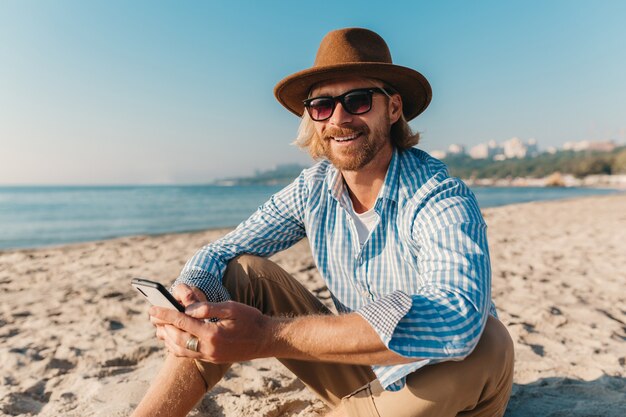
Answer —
422 279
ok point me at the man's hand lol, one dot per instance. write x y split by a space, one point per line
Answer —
187 295
242 332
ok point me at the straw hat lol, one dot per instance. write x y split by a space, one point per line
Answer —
355 52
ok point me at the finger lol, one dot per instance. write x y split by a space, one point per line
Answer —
160 333
209 310
180 351
177 319
157 322
169 336
184 293
177 341
200 296
177 336
173 347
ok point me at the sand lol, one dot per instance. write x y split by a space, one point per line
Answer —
75 339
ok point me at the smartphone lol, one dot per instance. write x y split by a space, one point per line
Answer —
156 294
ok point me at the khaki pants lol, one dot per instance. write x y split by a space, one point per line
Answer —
480 385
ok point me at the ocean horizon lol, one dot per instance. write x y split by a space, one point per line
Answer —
38 216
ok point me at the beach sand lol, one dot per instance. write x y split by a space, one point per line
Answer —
75 339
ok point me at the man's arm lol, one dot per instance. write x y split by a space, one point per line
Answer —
444 317
275 226
243 333
344 339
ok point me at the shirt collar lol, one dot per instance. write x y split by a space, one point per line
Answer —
389 191
335 183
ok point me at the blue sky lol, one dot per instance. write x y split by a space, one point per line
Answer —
118 92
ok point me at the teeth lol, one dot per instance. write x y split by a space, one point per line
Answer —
345 138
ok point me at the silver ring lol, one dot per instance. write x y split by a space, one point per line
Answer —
192 343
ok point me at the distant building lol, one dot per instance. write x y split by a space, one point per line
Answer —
485 150
575 146
517 148
514 148
456 149
602 146
480 151
588 145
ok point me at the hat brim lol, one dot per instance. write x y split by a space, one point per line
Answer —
410 84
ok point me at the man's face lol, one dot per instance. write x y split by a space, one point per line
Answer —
350 141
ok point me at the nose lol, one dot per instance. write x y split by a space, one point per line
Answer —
340 116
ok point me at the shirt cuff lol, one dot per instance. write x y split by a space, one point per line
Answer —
210 285
385 313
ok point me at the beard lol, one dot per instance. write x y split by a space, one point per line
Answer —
353 158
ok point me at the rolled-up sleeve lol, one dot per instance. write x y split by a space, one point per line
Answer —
444 318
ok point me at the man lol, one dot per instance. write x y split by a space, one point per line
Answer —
400 244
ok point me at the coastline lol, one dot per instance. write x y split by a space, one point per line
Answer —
75 341
51 217
608 182
222 230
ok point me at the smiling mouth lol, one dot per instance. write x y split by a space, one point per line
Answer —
346 138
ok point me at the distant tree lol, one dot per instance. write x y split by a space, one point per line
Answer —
618 166
579 164
593 165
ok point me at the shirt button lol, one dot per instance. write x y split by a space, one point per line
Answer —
365 293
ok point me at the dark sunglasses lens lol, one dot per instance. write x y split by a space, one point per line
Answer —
321 108
358 102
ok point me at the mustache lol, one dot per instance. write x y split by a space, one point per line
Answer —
332 132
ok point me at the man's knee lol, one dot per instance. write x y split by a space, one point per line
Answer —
242 269
248 268
261 283
496 342
488 368
247 261
247 277
491 362
494 356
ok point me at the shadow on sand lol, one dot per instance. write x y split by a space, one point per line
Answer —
565 397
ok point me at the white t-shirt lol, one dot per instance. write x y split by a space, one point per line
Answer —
364 223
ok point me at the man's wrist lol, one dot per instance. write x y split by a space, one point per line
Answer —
273 341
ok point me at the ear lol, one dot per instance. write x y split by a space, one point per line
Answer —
395 108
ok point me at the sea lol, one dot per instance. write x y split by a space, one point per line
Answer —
32 216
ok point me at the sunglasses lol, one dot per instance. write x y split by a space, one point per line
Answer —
356 102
